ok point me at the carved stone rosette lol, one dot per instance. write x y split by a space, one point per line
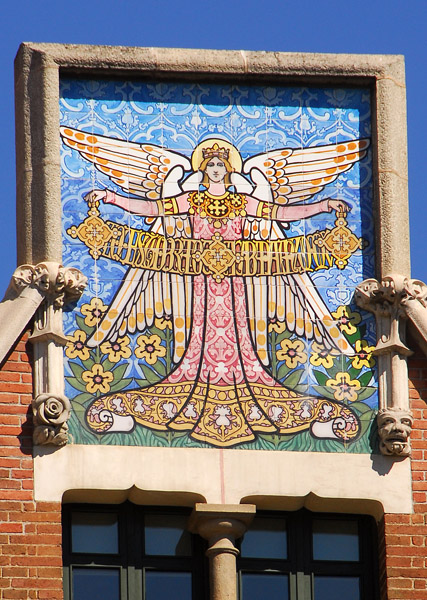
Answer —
390 301
59 285
50 415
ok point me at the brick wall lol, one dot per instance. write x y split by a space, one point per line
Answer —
406 535
30 532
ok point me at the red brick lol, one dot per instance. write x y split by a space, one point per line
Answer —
11 527
22 473
7 376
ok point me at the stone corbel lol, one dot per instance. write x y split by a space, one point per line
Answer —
59 286
221 525
386 300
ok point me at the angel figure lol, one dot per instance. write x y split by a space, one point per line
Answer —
226 213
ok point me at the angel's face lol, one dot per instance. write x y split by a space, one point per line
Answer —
216 170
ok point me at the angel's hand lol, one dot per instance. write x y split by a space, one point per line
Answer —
338 205
96 195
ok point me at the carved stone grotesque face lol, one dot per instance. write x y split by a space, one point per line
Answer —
394 429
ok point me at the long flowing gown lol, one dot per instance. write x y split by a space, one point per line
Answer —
220 392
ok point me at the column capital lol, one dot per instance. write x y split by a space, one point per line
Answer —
221 524
58 283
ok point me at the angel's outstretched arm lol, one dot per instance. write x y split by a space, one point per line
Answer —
293 212
139 206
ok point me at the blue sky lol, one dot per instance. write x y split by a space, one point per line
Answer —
374 26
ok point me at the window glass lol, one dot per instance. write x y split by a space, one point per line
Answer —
164 585
167 535
266 538
95 533
336 588
257 586
96 584
335 540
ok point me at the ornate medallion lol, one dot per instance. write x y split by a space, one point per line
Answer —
217 209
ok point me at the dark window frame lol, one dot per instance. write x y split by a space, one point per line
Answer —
131 558
300 565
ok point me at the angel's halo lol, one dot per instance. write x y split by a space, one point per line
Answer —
234 157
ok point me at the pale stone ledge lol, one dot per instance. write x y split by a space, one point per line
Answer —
338 482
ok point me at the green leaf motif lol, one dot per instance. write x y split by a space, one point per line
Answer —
155 330
366 393
119 371
121 384
76 384
82 325
107 364
293 379
360 407
324 391
321 378
160 368
76 369
150 375
285 335
283 371
81 399
365 379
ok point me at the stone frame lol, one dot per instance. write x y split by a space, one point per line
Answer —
37 71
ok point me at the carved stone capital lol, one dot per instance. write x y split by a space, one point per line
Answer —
60 284
415 290
394 429
392 292
382 297
388 300
50 414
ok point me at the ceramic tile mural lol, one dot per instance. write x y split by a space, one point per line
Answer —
223 230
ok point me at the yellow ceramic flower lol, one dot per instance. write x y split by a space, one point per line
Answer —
97 380
150 348
363 356
345 388
347 319
164 323
117 350
321 356
93 311
76 345
292 353
277 326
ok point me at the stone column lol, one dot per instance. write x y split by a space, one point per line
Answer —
388 300
58 286
221 525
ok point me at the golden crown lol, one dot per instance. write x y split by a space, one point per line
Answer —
215 150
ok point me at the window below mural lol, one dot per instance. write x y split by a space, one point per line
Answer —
308 555
131 552
223 230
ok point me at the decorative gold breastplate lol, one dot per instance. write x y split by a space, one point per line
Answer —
217 209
